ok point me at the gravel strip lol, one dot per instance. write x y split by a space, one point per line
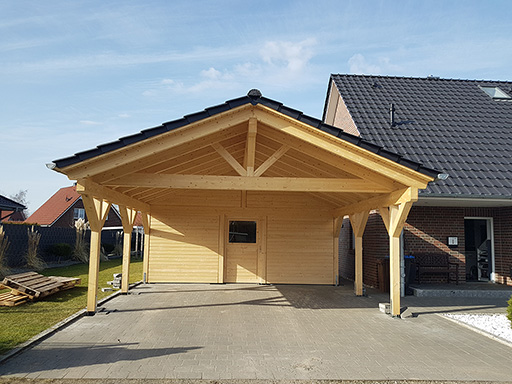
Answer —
497 325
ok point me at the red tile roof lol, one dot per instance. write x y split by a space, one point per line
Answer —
55 206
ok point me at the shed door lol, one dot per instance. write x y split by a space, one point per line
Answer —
242 252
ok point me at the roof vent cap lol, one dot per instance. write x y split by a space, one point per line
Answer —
254 94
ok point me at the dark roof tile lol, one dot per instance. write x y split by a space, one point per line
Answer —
446 124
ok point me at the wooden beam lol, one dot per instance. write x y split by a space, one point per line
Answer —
392 198
128 219
146 222
89 187
229 159
384 214
342 148
271 160
250 147
223 226
395 219
97 211
358 222
163 142
248 183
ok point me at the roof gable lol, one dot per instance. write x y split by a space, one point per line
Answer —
253 98
452 125
7 204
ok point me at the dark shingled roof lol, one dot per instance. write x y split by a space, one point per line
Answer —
10 205
446 124
254 97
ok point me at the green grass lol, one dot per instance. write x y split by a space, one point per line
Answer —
20 323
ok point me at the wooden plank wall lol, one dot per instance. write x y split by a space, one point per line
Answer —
185 242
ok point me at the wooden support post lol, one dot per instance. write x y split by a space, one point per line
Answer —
97 211
394 218
358 221
223 226
94 270
146 222
128 216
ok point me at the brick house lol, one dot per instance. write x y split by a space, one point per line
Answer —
462 127
65 207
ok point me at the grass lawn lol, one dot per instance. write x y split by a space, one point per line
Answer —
20 323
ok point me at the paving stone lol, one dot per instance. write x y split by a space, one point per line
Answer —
230 331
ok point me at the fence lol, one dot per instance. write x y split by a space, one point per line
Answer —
18 239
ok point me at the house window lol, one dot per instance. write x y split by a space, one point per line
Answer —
79 213
495 93
242 232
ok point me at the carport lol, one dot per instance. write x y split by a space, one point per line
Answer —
248 191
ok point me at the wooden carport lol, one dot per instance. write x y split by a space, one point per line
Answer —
249 157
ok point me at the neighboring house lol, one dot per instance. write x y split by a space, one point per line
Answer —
461 127
11 210
64 208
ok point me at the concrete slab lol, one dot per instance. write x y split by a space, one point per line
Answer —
267 332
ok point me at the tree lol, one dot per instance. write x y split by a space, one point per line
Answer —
21 197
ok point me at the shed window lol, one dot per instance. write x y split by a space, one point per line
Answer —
495 93
242 232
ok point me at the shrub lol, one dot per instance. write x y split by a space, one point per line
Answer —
81 250
109 248
509 311
32 256
4 246
61 250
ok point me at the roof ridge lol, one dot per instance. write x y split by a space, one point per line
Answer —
422 78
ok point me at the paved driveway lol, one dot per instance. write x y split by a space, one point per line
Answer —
274 332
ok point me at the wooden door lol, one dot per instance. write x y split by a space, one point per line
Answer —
242 252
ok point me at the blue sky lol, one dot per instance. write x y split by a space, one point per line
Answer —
75 74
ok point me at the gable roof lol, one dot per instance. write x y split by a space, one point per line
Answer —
7 204
447 124
55 206
253 97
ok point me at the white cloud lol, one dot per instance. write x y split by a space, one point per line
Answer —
359 66
293 56
89 122
275 64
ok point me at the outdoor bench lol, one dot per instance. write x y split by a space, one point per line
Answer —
436 264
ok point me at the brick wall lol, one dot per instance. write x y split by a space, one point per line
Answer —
346 252
427 230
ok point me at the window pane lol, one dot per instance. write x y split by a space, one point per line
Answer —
242 232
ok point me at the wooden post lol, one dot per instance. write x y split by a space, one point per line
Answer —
223 227
94 270
128 216
394 218
358 221
146 222
97 211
